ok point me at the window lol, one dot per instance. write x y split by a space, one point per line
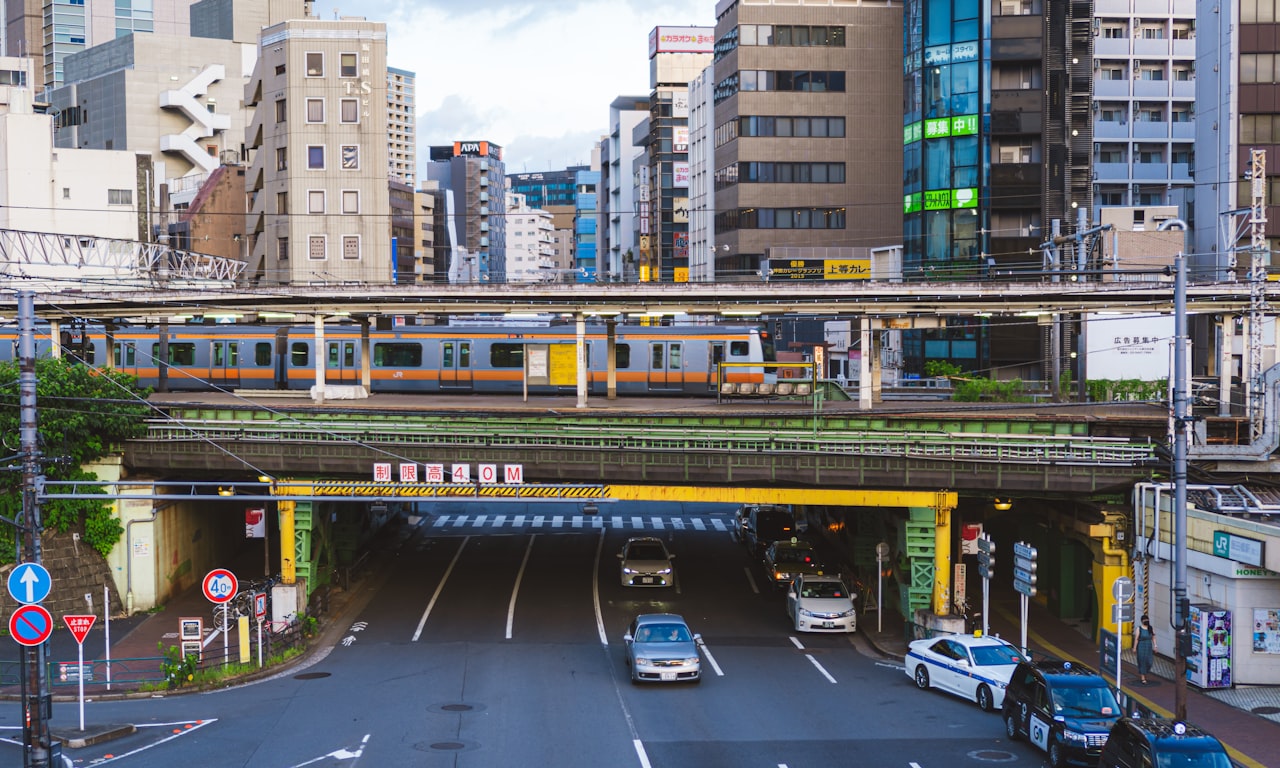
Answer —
1114 31
119 197
279 70
315 110
282 202
262 353
315 157
316 248
299 355
282 249
315 201
1111 155
281 111
506 355
282 158
1153 73
1153 33
347 65
1182 114
1112 115
315 65
180 353
351 246
397 355
350 157
350 111
1150 156
350 201
622 356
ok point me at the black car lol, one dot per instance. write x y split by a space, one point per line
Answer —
760 524
1155 741
1065 709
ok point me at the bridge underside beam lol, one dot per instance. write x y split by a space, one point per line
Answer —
836 497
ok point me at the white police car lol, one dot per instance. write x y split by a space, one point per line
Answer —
973 667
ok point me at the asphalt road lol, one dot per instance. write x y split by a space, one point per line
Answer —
504 649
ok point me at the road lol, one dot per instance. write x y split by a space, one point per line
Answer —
504 649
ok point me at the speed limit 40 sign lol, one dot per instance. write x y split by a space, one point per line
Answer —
220 585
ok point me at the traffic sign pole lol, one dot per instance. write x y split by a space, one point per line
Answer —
79 626
1122 591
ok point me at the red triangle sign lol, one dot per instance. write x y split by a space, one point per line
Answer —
79 626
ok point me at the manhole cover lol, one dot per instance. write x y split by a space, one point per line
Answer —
457 708
311 675
993 756
1266 710
445 746
449 745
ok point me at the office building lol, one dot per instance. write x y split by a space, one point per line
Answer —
615 233
586 184
807 129
702 193
318 154
530 243
402 131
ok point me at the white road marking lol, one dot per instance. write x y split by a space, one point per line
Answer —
187 728
815 663
511 607
577 521
479 521
677 523
914 765
698 524
644 759
441 520
615 521
637 522
460 520
439 588
595 592
557 521
499 520
898 667
537 521
657 523
718 524
796 642
710 659
340 754
519 521
751 580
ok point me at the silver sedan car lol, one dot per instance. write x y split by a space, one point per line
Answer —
646 563
661 648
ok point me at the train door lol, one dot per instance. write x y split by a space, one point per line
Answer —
715 356
666 366
342 362
282 359
224 363
455 364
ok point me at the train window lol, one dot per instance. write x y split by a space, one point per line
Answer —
506 356
400 355
464 354
262 353
299 355
130 353
225 353
622 355
179 354
674 360
655 355
739 348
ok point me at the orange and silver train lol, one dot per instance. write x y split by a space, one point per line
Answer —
657 360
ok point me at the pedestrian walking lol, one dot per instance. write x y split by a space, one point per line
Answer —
1146 648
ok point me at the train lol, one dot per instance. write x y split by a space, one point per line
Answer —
495 358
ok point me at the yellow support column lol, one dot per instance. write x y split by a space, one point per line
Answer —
288 546
942 553
1111 561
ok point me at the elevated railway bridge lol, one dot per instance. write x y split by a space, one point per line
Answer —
914 478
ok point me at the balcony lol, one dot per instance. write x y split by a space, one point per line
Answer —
1111 89
1184 89
1180 172
1111 47
1150 171
1150 49
1151 89
1184 49
1145 130
1184 131
1107 173
1110 129
1111 7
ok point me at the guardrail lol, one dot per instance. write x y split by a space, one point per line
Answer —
1022 449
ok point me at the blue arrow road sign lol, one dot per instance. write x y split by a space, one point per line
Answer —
29 583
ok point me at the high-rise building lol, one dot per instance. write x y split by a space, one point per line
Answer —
52 30
702 193
676 56
1144 89
402 131
472 181
616 244
530 243
584 225
318 154
807 120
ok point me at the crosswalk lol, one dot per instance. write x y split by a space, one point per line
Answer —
571 522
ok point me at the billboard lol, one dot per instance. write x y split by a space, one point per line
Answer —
818 269
680 175
477 149
680 142
1128 346
681 40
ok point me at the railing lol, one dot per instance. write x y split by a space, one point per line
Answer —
479 433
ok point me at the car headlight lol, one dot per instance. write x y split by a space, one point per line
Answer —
779 575
847 614
627 570
691 660
1078 738
642 661
803 612
665 571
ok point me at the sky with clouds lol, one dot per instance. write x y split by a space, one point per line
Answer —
533 76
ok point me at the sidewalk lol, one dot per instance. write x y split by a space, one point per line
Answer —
1245 718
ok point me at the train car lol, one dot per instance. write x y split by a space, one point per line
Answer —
676 360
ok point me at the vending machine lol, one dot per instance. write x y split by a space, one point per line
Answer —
1209 665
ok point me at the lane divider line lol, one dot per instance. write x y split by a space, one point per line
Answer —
595 592
515 591
710 659
815 663
796 642
439 588
640 753
751 580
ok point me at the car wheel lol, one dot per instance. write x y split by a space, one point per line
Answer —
922 678
1011 728
984 698
1056 759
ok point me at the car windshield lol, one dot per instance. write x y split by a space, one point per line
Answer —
794 556
1173 758
646 552
663 633
824 589
995 655
1082 701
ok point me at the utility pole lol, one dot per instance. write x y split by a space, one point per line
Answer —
1181 421
37 704
1257 290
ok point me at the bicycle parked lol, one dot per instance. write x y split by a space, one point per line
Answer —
242 603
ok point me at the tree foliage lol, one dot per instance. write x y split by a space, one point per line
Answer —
82 413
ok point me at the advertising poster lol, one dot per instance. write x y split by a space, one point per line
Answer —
1128 346
1266 630
680 174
